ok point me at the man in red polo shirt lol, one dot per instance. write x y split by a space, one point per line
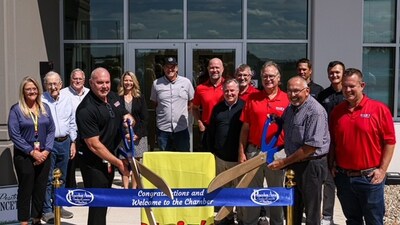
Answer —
207 95
243 75
362 146
257 109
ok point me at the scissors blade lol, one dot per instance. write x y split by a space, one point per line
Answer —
236 171
149 212
243 183
155 180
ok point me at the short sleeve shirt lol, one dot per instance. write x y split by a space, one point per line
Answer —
207 96
244 96
256 111
329 98
94 117
360 136
306 124
172 103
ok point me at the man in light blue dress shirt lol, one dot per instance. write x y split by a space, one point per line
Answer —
63 115
76 92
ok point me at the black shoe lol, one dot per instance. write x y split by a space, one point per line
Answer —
36 222
227 221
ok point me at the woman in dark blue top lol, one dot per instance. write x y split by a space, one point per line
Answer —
31 129
134 102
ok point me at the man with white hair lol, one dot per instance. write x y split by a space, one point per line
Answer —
64 143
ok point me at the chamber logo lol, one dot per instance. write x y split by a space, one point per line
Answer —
79 197
264 196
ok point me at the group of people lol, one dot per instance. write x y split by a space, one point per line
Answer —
50 129
43 129
333 137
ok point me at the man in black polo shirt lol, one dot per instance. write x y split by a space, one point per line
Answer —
99 118
304 69
329 98
224 132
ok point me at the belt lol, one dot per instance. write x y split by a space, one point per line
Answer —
356 173
61 139
312 158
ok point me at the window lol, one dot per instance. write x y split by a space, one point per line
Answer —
155 19
273 19
214 19
379 51
90 56
86 20
285 55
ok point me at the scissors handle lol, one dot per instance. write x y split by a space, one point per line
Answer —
128 144
271 147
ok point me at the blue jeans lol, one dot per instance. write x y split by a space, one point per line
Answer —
174 141
360 199
59 159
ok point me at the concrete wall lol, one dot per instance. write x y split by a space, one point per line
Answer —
22 47
336 35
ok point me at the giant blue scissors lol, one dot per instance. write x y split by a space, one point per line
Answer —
250 167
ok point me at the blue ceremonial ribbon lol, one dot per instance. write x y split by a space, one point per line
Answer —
102 197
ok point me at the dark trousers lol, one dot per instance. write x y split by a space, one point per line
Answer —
96 176
328 202
309 176
32 182
70 180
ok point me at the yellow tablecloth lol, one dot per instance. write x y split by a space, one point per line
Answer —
181 170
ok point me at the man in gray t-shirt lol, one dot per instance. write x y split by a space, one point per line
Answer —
172 95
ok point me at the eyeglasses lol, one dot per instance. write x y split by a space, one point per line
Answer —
53 84
110 110
269 76
295 92
243 75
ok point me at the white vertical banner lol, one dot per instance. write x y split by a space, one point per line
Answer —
8 204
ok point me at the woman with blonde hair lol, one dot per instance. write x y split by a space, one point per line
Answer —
31 129
134 101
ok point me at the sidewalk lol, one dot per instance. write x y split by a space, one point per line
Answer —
126 216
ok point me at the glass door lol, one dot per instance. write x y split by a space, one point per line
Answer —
197 57
146 61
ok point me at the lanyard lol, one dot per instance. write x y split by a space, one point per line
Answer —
35 123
